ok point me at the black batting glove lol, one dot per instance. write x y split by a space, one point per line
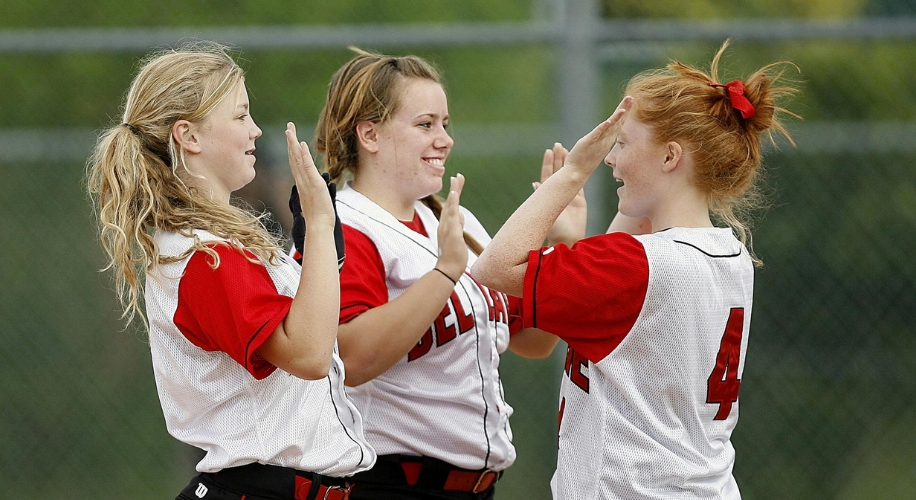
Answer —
298 232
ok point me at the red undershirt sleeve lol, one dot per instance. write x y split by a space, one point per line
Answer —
362 281
233 308
590 295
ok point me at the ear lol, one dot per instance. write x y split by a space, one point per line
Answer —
673 154
184 133
367 135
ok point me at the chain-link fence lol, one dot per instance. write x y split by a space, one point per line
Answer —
829 391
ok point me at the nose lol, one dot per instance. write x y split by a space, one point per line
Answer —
609 159
443 140
256 131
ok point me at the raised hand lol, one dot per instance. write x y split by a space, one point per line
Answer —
314 198
570 225
591 149
453 251
298 230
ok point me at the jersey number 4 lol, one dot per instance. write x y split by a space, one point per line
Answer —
723 384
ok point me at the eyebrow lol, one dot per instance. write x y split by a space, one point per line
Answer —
431 115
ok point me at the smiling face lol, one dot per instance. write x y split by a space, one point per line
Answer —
413 143
637 159
226 139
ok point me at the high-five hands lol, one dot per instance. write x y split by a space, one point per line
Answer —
453 251
570 225
319 191
592 148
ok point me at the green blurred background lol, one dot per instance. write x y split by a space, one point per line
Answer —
827 403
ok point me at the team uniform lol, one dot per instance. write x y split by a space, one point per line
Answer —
218 395
657 328
437 418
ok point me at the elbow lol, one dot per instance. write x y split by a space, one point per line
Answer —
313 369
480 270
357 369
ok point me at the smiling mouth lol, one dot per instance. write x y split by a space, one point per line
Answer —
438 162
250 152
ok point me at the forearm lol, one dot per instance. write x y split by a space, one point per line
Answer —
533 343
303 343
503 262
376 339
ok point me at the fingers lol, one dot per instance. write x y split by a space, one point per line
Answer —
625 104
450 209
553 160
594 146
300 158
547 165
456 184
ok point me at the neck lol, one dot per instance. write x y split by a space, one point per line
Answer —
402 209
688 210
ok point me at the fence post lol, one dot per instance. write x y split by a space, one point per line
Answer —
578 89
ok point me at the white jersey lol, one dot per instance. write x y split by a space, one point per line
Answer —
445 398
657 327
214 403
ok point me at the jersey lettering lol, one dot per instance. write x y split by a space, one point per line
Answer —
498 307
497 304
574 364
723 384
442 332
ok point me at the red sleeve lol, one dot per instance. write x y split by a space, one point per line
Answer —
233 308
362 281
589 295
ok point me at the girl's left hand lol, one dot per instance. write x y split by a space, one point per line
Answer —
570 225
453 251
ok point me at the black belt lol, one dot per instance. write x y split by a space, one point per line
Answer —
427 472
271 481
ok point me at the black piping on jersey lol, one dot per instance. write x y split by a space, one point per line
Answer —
337 413
483 394
486 407
248 345
330 391
704 252
388 226
534 292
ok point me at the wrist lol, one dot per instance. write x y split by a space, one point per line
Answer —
448 276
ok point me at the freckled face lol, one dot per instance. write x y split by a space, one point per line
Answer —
414 142
637 160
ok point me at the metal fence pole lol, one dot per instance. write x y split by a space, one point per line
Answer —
578 91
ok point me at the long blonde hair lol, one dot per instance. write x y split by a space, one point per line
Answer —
132 175
682 103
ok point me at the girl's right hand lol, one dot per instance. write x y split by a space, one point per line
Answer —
313 190
453 251
591 149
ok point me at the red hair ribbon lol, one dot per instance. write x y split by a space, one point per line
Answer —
735 90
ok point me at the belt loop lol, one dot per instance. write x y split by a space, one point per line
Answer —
480 481
315 486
